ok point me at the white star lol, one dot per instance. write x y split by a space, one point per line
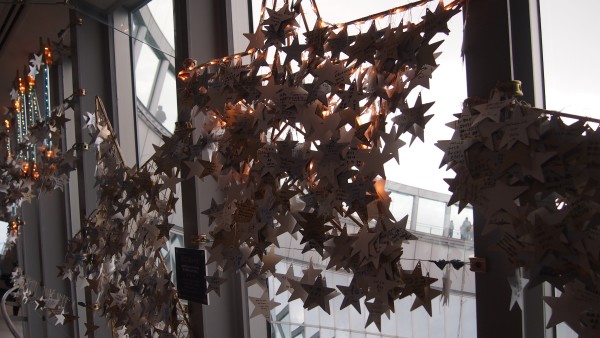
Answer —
90 120
36 61
60 318
517 284
32 71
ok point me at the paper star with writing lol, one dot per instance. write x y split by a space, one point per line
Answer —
415 283
337 42
270 261
293 52
501 197
376 310
492 109
263 306
316 39
280 17
373 162
413 120
318 295
362 243
352 295
454 151
214 282
334 74
202 168
351 98
514 129
256 40
364 48
425 298
284 280
578 308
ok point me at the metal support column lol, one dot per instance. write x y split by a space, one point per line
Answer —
502 43
201 33
89 43
488 59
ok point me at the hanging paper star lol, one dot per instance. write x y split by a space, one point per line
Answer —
263 306
37 61
318 295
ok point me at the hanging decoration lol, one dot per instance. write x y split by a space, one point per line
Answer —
299 127
117 253
53 303
31 156
535 180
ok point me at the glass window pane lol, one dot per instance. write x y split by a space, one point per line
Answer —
573 91
430 216
167 103
154 59
461 223
401 206
3 235
145 74
160 10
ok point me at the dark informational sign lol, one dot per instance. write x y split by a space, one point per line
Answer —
190 265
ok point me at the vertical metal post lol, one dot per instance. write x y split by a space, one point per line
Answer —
526 57
414 212
89 44
201 32
188 190
32 264
488 58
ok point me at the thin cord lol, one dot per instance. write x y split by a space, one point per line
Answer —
95 18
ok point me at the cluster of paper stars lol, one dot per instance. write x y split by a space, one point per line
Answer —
535 180
300 135
117 253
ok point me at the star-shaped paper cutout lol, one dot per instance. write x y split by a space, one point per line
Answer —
263 306
214 282
352 296
37 61
318 295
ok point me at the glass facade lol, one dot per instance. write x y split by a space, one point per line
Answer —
154 62
573 91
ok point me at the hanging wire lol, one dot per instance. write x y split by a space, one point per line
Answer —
90 15
392 11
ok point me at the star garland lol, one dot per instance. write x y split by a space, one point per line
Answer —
301 132
535 180
36 162
117 252
53 303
